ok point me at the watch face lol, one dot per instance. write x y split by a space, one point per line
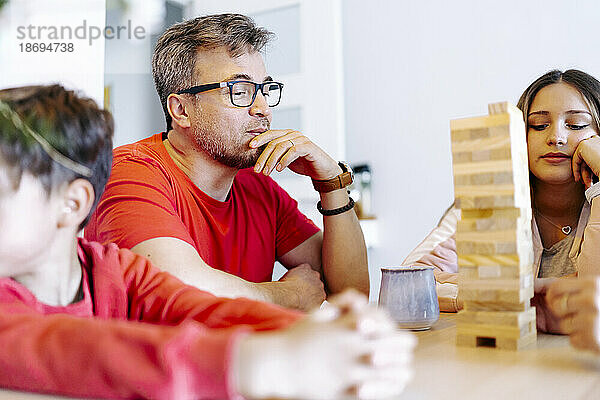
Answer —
344 165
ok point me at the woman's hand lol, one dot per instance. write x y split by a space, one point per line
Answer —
586 160
576 302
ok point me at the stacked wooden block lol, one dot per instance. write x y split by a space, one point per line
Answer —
493 237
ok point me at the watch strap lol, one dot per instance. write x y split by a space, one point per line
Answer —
341 181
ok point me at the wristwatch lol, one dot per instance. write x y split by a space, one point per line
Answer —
341 181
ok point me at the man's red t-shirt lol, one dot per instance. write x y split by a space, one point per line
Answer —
148 196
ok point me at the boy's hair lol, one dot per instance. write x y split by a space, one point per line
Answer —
175 53
73 126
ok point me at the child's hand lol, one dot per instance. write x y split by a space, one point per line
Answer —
346 349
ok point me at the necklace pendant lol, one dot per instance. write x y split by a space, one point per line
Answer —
566 229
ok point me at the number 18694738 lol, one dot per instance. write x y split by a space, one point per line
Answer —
53 47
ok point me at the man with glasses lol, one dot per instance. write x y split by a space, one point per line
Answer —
199 196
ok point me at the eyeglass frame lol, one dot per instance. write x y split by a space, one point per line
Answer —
229 84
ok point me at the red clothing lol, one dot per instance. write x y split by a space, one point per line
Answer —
148 196
183 351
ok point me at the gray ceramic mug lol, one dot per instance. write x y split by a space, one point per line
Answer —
409 296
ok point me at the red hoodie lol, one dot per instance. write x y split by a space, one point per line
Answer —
98 348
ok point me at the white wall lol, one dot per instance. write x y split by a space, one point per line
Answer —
411 66
134 102
81 69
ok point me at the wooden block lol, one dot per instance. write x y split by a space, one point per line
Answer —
493 331
487 178
510 212
489 224
501 233
462 180
504 330
500 131
498 108
487 237
473 260
507 318
496 296
475 239
476 305
486 224
482 179
469 145
494 271
480 155
489 196
480 133
494 220
463 157
527 341
517 344
521 282
470 134
482 167
473 192
460 135
500 154
467 341
486 248
486 121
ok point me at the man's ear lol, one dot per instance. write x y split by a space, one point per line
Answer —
176 107
76 203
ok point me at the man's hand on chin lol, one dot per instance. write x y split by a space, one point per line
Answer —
291 149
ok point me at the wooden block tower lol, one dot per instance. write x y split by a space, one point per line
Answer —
493 237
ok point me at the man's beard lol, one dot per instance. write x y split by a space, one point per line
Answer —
225 150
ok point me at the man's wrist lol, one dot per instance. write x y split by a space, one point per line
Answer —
334 199
341 177
280 293
335 171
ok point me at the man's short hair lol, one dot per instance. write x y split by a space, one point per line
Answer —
175 53
74 126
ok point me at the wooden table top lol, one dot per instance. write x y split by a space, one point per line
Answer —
551 370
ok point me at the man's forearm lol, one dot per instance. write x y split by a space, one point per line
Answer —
284 293
219 283
299 288
222 284
344 254
290 294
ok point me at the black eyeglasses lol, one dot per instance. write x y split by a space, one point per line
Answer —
243 93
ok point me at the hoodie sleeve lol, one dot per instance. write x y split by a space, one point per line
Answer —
438 250
88 357
589 256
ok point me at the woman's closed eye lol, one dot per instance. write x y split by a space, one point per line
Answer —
538 127
577 127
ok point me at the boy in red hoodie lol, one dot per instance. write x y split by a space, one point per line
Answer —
81 319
